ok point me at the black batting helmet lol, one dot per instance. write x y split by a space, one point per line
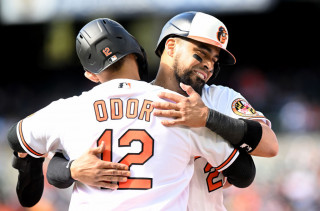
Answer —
102 42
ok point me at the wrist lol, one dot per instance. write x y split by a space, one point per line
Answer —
229 128
206 114
72 170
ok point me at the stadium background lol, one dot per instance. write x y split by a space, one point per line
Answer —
275 42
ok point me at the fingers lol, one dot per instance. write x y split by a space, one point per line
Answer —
171 96
108 185
101 147
166 109
176 97
111 165
113 179
188 89
170 113
105 177
169 123
98 150
22 155
167 113
113 173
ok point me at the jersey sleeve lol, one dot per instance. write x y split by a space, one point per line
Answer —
219 153
38 133
239 107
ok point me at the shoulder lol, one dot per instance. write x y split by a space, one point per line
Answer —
215 96
218 90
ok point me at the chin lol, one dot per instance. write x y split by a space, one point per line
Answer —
198 86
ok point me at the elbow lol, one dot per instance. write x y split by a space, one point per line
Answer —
242 172
274 150
268 146
57 173
245 180
268 151
273 146
242 182
57 182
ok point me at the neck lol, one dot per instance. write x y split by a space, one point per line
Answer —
128 70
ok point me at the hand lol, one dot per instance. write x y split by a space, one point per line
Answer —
22 154
188 111
226 184
91 170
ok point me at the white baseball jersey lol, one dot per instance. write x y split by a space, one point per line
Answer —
207 182
119 112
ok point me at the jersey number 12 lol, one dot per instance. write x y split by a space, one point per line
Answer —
147 144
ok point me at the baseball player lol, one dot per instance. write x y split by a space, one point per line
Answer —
207 182
192 45
122 119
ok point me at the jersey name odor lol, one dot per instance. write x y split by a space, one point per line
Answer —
118 110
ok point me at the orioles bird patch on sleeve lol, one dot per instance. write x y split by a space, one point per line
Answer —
241 107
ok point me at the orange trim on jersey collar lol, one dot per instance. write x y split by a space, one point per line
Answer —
25 143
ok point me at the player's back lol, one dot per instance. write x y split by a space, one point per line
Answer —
160 159
119 113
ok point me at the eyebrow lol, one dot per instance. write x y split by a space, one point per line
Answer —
206 48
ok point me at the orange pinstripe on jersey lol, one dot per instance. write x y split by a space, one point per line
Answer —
25 143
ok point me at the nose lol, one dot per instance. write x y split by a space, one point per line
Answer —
209 65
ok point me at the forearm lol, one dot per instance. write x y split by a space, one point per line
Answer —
242 171
58 173
87 169
268 145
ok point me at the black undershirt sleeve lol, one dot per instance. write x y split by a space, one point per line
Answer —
58 172
13 139
242 171
30 182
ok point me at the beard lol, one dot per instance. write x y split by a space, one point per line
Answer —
188 77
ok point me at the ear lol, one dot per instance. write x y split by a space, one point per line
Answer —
91 76
170 46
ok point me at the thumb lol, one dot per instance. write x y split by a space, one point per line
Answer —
22 155
99 149
188 89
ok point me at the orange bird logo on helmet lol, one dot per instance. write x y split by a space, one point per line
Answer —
222 34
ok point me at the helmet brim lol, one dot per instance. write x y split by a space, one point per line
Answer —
226 58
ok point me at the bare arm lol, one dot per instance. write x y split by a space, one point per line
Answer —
88 169
192 112
268 145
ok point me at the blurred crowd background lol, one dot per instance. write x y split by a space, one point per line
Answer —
276 45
